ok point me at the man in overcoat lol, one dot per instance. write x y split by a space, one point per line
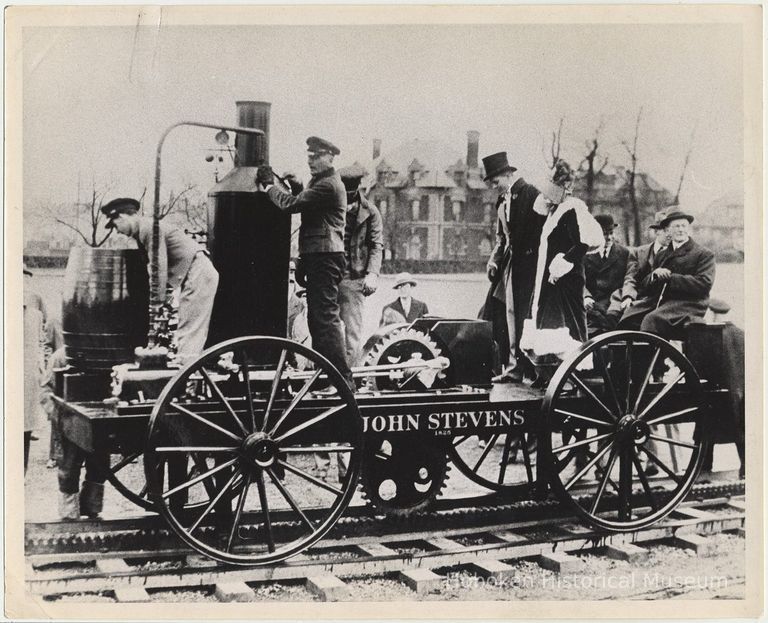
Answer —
673 286
323 206
363 248
607 272
512 265
404 306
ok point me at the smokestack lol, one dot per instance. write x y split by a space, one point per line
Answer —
376 148
473 148
252 151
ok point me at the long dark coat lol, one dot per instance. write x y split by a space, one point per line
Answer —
685 297
558 320
516 250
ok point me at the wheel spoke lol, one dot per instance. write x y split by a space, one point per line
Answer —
582 442
125 461
608 380
585 418
646 379
311 422
202 420
239 510
658 462
143 492
504 458
246 370
215 389
589 465
486 451
195 449
196 479
628 366
644 481
265 510
302 474
329 448
625 485
289 498
657 398
296 399
526 458
603 481
589 393
669 416
213 503
202 465
460 440
674 442
273 389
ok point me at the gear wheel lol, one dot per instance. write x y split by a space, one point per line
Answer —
403 475
399 347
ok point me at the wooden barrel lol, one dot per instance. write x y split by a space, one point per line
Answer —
105 306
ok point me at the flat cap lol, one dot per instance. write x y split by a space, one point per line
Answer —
719 306
120 206
320 145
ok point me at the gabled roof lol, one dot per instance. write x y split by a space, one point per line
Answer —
435 179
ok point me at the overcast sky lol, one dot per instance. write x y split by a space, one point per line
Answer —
97 99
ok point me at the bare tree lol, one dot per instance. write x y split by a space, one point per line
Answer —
552 154
90 209
593 169
685 165
631 182
176 201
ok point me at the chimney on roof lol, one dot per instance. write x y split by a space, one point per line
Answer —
473 147
376 148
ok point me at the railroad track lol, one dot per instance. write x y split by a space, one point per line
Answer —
481 540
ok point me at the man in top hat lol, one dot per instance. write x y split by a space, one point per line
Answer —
182 263
363 250
607 273
323 206
405 305
673 284
512 265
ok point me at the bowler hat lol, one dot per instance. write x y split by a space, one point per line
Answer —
606 222
319 145
402 279
675 215
719 306
123 205
496 164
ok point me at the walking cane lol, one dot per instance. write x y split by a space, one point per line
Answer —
668 427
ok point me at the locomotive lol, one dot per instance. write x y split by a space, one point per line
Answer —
228 442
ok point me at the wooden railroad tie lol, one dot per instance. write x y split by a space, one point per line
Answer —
327 587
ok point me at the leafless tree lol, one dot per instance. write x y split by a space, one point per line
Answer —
685 165
592 167
176 201
552 155
92 231
631 181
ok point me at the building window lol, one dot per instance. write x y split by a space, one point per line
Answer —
424 208
415 210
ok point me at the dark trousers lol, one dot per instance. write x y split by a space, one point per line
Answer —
72 459
324 273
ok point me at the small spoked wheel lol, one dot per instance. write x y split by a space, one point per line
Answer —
503 462
627 430
238 449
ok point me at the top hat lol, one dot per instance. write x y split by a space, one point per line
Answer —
496 164
675 215
606 222
319 145
402 279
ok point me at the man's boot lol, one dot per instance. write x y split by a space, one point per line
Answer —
91 499
69 505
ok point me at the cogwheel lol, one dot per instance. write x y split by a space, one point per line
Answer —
402 346
402 475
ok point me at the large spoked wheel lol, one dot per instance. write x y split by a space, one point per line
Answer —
626 428
504 462
235 445
126 474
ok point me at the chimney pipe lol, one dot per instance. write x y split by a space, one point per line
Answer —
252 151
376 148
473 147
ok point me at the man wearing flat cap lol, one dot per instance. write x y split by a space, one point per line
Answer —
182 263
674 288
607 279
512 265
323 206
363 250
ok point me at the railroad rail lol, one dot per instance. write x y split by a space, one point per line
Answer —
476 539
